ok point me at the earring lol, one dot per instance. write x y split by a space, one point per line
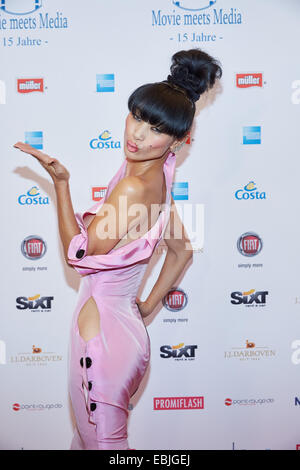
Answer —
178 147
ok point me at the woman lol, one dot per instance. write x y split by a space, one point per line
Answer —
110 246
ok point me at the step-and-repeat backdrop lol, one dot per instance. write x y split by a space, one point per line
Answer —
225 357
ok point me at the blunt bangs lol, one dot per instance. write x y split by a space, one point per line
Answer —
163 107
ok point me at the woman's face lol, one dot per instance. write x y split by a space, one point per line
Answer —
142 141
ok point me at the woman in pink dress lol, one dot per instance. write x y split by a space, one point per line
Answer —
110 246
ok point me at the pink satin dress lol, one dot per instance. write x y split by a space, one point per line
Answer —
106 371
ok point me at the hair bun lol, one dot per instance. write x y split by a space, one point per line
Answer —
195 71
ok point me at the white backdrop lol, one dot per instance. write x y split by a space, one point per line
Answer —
234 318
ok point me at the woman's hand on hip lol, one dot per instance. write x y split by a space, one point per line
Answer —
55 169
144 308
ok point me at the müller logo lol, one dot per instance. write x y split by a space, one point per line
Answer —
246 80
178 403
29 85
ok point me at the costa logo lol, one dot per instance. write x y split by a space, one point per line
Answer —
16 407
175 300
249 244
33 247
228 402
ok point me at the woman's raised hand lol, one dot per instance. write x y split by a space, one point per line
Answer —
55 169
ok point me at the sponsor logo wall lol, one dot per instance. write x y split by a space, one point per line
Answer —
225 341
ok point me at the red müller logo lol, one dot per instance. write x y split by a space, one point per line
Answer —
246 80
28 85
178 403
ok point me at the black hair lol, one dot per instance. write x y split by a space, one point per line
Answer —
170 105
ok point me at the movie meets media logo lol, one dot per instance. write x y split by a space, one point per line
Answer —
178 403
193 13
39 20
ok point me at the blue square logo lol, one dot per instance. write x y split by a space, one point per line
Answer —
251 135
105 82
180 191
35 139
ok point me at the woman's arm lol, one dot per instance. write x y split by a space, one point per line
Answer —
67 224
180 251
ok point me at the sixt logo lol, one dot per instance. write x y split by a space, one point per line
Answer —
35 303
104 141
179 352
249 298
32 198
249 192
190 4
